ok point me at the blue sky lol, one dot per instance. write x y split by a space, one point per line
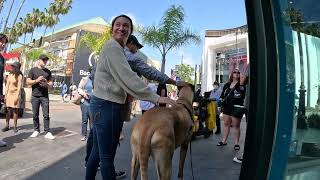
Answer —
200 16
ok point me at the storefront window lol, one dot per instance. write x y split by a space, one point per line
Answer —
301 19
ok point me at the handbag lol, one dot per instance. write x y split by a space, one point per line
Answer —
77 99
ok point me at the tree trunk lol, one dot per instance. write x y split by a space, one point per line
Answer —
163 64
17 15
7 19
52 32
24 39
51 35
21 5
31 36
45 30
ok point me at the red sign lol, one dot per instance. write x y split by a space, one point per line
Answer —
10 58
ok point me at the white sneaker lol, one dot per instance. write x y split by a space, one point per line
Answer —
237 160
49 136
2 143
35 134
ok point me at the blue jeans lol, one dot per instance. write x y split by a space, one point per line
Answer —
89 146
85 111
107 126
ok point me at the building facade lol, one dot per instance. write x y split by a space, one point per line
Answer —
223 51
75 60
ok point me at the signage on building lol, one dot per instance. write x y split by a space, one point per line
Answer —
9 59
82 64
84 59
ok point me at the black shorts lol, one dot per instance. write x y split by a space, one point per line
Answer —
231 111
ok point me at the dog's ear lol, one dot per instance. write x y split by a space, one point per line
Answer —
190 85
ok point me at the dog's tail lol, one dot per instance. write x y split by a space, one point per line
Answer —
145 151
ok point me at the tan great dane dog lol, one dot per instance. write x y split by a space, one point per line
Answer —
158 133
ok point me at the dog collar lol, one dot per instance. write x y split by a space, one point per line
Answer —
189 111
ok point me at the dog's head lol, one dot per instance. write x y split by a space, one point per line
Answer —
186 92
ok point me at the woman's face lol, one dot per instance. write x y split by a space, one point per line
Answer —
236 75
121 30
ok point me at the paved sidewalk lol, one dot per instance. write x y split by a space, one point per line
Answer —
62 159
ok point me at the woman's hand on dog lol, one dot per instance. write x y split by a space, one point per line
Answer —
166 100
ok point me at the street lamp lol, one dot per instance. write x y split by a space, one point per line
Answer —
220 57
301 118
237 60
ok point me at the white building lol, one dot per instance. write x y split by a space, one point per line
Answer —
223 51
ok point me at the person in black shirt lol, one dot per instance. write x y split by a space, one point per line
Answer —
232 98
40 79
3 43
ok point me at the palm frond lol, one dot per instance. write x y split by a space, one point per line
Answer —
184 38
170 33
151 36
95 42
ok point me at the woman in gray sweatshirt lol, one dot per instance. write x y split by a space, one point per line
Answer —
114 79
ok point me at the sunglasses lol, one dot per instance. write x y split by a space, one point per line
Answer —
236 72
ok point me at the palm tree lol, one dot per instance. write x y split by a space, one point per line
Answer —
59 7
17 15
49 20
18 12
7 19
95 42
35 20
170 34
26 26
14 35
64 6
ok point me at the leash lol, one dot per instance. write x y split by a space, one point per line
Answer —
191 162
191 116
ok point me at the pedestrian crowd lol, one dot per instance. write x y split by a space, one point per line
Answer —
106 97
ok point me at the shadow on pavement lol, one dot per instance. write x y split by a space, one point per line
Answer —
25 127
209 161
71 167
26 115
57 130
18 138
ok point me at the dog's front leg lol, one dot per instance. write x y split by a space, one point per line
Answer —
183 154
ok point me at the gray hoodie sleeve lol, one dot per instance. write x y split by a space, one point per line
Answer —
142 68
